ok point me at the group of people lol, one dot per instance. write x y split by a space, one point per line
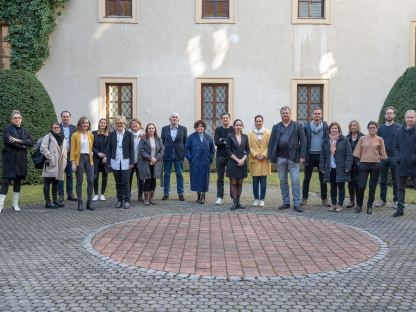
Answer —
132 150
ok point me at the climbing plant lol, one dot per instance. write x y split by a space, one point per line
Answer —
30 24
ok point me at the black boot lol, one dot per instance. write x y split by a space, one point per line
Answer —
239 204
80 207
358 209
49 205
199 197
55 199
89 205
399 211
202 199
369 209
352 203
234 206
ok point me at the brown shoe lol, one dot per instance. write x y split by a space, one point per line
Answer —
325 203
181 198
152 193
165 197
146 198
304 202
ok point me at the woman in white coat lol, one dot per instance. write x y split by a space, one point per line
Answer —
53 147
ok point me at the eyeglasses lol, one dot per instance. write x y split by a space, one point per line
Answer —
55 127
17 117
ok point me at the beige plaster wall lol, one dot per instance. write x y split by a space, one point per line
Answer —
362 52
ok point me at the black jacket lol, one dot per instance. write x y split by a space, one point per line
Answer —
15 154
239 150
405 151
297 146
343 159
308 134
127 146
174 149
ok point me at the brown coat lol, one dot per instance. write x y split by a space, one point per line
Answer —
57 157
259 167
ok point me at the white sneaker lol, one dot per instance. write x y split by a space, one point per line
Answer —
219 201
95 198
261 204
15 202
102 197
256 203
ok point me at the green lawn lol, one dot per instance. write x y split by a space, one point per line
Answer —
33 194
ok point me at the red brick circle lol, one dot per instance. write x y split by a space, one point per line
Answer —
235 244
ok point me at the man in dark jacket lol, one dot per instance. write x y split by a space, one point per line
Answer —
67 130
174 139
287 148
405 157
387 132
316 132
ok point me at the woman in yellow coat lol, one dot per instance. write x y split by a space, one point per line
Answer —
260 166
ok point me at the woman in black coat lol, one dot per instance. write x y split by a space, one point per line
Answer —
99 150
16 140
238 150
353 136
335 163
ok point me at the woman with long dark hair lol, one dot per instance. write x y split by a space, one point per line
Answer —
16 140
99 149
150 162
237 150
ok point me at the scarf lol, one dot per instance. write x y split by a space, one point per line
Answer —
333 142
59 137
259 133
316 129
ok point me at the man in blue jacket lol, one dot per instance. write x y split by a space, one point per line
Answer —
174 139
287 148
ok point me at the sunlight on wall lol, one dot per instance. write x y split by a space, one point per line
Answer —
327 66
221 47
196 63
101 29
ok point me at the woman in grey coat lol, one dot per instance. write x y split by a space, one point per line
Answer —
335 163
149 161
53 147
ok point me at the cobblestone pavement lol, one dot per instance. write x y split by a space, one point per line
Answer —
45 265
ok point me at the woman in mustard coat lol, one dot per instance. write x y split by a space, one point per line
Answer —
260 166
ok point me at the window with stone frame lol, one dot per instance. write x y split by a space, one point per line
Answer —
5 49
119 101
118 8
214 102
314 9
215 8
309 97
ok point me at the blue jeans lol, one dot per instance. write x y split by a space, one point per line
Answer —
167 169
284 166
69 183
262 180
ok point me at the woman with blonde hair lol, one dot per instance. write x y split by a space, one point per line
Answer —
99 149
354 134
82 143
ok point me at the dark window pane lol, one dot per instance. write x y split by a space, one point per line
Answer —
118 8
216 8
309 97
214 103
311 9
119 101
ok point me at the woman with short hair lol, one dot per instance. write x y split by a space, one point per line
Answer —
199 151
370 151
99 149
53 147
150 161
16 141
82 142
335 163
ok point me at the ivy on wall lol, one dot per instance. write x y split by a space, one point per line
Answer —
30 24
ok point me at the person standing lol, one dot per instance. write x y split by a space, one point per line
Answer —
174 139
238 150
316 132
220 136
16 141
67 129
287 148
353 136
405 157
260 166
387 132
370 151
199 151
53 147
99 149
150 162
81 157
335 164
137 131
121 153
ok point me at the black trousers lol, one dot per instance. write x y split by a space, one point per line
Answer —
353 184
6 182
384 170
122 178
47 182
337 189
221 163
149 185
135 169
313 162
104 178
365 169
401 191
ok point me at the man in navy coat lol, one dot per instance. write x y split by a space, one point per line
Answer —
174 139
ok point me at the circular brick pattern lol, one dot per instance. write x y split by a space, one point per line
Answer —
240 245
